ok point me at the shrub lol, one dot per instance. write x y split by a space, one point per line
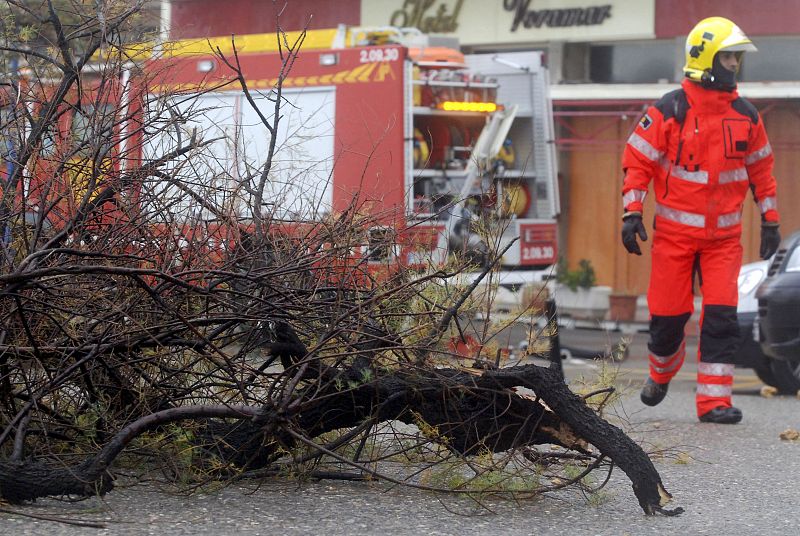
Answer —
582 277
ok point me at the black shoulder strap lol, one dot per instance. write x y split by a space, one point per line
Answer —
674 104
746 108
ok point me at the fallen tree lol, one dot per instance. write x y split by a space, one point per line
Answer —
126 341
470 412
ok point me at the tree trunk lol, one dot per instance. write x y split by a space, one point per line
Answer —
472 411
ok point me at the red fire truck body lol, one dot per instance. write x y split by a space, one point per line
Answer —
353 107
409 132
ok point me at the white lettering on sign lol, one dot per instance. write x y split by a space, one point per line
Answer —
538 253
374 55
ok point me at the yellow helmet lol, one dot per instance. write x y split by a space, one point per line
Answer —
707 38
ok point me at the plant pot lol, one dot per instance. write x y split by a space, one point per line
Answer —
582 303
535 296
622 307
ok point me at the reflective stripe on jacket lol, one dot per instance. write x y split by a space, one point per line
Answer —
703 150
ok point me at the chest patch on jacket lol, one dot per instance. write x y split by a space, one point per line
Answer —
736 132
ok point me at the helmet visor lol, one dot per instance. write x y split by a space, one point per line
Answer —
739 47
737 41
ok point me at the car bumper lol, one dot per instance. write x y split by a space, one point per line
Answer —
748 353
779 321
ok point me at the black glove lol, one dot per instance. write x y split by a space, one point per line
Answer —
631 226
770 240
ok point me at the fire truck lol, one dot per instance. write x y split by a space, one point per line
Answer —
401 123
427 137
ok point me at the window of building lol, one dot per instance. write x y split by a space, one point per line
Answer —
776 60
649 62
634 62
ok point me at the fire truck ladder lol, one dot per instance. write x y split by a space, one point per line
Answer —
484 151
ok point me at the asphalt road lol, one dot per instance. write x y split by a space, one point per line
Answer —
738 479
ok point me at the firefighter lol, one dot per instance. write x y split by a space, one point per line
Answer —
703 147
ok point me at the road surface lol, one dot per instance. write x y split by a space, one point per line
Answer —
738 479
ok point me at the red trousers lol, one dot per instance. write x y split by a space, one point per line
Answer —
676 260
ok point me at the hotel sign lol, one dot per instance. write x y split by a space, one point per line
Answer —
490 22
429 16
527 17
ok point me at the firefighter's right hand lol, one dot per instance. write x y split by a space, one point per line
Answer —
631 226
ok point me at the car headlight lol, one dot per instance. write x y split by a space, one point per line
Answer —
750 279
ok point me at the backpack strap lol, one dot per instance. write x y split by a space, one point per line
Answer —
746 108
675 104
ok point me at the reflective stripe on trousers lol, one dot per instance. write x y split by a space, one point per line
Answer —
664 368
714 386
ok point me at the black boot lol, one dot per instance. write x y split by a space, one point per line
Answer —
722 415
653 393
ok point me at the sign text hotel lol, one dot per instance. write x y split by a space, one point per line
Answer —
530 18
418 13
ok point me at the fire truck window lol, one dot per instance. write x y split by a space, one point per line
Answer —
92 127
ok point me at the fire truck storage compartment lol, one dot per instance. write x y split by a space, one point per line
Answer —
453 179
522 80
443 140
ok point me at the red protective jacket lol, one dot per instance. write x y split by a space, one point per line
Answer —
703 149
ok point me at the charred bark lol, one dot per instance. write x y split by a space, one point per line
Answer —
30 480
26 481
470 412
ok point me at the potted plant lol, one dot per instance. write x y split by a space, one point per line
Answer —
577 294
622 306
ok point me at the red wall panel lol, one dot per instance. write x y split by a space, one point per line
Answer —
772 17
205 18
